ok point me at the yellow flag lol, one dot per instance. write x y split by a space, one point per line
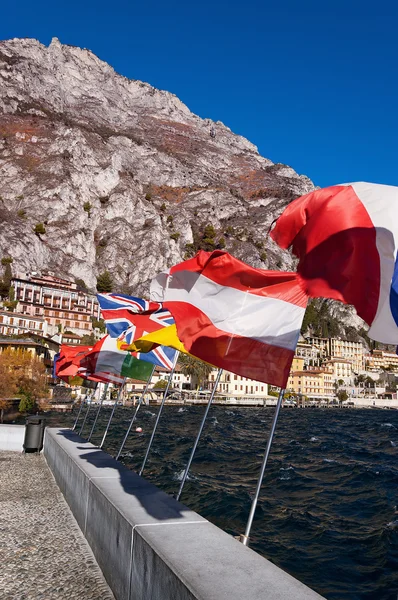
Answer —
166 336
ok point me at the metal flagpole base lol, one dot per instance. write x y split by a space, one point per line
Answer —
244 539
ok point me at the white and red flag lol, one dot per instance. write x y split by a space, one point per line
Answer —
346 239
68 364
231 315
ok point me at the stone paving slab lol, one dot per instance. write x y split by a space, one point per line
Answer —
43 554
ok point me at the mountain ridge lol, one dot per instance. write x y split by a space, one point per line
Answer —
102 173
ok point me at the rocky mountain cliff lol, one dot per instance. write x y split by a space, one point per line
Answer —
98 172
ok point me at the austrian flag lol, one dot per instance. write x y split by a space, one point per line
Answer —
231 315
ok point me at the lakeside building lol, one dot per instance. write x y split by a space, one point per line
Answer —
380 360
236 385
58 301
230 384
71 339
341 367
16 323
179 380
313 383
309 353
337 348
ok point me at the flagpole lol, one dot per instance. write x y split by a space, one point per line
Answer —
244 538
166 391
135 414
98 411
87 411
78 414
119 395
199 433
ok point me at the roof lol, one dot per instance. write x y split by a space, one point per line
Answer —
178 369
9 341
311 372
35 340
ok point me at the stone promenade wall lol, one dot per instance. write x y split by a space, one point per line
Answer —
148 545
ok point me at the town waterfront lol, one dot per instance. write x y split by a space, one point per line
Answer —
328 507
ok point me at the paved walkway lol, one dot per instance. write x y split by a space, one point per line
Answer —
43 554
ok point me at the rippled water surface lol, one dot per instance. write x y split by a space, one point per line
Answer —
328 507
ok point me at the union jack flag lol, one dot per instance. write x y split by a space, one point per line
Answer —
130 318
118 309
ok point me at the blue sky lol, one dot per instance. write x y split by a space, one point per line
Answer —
312 83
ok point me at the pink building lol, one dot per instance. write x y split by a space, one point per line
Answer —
56 300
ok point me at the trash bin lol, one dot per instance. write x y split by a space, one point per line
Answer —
34 434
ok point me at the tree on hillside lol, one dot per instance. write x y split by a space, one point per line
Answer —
32 380
105 282
22 375
8 381
5 282
81 285
88 339
198 370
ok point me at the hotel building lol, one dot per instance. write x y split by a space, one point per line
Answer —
56 300
380 360
313 383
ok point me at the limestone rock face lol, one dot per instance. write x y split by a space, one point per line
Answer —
123 176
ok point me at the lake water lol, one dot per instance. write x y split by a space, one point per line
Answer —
327 512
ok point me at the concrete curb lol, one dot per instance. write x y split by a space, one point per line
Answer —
150 546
